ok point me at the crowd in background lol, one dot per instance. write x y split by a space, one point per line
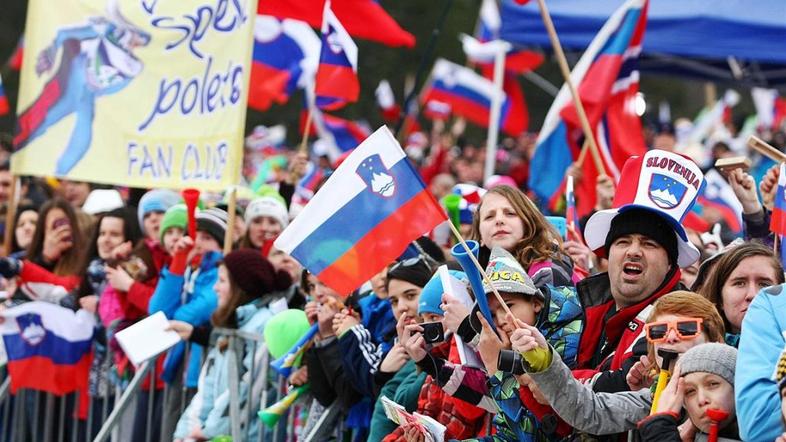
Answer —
574 345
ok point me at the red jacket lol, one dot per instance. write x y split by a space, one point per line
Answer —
608 337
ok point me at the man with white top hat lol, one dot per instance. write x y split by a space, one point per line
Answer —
646 246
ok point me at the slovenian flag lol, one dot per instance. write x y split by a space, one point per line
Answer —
607 79
571 215
337 82
364 217
719 196
468 94
770 107
48 347
4 107
778 219
286 54
387 102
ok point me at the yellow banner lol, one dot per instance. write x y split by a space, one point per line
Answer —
144 93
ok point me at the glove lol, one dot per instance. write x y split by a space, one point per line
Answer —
10 267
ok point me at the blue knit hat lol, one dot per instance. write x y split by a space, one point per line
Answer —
431 295
157 200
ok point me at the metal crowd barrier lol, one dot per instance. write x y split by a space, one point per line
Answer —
31 415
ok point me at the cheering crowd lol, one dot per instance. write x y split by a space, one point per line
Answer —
638 321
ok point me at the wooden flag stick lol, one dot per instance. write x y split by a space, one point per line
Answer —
307 129
480 269
563 65
10 215
582 154
229 235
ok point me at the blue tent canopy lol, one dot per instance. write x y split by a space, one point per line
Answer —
722 40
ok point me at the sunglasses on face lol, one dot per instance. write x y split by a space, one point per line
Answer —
685 329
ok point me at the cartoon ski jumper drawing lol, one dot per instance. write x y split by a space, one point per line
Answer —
96 59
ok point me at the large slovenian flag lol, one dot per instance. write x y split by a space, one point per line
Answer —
469 95
286 54
337 81
607 80
48 347
364 217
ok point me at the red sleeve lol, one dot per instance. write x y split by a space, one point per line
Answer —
140 293
466 410
32 272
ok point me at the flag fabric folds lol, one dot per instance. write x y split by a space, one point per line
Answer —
377 191
4 106
469 95
364 19
48 347
286 53
337 80
607 80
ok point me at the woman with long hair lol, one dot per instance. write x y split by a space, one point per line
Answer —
736 279
506 218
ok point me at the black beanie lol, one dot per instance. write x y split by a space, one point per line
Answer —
213 222
647 223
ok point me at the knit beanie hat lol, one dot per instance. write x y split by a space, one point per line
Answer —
268 206
715 358
431 295
254 274
175 216
284 330
507 275
102 201
644 222
213 222
156 200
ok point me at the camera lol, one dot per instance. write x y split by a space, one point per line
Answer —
511 361
433 332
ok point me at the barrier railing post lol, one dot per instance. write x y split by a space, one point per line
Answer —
49 409
327 416
123 402
234 384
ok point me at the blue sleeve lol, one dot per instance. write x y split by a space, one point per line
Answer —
166 297
361 358
203 301
761 343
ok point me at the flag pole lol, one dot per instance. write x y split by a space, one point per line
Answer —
304 142
480 269
229 236
10 214
563 64
432 43
496 108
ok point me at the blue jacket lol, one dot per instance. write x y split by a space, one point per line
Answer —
210 407
761 343
189 298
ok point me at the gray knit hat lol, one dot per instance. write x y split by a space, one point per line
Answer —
507 275
718 359
214 222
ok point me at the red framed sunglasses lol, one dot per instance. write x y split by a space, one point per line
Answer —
685 329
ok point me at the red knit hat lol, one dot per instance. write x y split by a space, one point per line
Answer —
254 274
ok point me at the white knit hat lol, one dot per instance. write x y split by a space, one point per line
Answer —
267 206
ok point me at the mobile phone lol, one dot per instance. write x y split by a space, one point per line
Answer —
433 332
